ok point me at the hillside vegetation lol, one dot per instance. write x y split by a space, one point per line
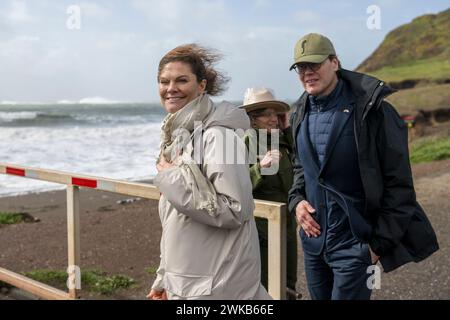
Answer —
417 50
415 58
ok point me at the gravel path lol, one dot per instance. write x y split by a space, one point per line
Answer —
124 239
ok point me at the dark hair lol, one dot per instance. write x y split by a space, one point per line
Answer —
253 115
332 56
256 113
202 61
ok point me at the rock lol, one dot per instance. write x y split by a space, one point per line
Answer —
127 201
28 218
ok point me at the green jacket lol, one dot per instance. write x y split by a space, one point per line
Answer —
274 187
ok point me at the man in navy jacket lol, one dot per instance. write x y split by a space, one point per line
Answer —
353 193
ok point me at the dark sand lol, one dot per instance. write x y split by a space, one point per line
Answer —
124 239
116 238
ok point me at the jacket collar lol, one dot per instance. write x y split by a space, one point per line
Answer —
369 91
328 102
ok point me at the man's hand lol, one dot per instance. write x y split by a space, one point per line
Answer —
272 156
157 295
305 219
373 256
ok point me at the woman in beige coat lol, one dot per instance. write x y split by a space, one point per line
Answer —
209 245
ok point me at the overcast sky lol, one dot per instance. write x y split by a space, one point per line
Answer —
115 52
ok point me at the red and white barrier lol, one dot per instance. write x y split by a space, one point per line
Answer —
129 188
273 211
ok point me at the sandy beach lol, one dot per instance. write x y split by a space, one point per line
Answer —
123 238
116 238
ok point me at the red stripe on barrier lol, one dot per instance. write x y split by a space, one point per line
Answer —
16 172
84 182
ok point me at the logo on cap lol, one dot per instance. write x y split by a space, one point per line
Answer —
303 46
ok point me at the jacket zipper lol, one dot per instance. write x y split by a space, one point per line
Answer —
365 112
373 98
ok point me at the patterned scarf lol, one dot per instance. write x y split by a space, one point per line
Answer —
176 133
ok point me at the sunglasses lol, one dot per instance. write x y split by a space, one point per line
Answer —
301 68
268 114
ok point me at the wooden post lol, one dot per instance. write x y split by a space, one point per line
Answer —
277 255
36 288
273 211
73 237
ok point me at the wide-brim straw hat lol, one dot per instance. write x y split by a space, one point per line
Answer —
262 98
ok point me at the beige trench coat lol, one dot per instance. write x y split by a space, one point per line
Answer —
205 257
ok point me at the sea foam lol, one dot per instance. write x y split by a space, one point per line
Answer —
120 143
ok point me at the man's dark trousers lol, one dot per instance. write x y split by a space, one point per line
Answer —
339 275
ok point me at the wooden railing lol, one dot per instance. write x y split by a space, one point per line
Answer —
273 211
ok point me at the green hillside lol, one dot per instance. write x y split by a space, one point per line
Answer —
415 58
433 70
417 51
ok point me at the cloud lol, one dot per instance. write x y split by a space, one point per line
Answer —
117 51
263 57
94 10
117 41
183 16
20 50
17 13
390 4
5 29
261 3
305 16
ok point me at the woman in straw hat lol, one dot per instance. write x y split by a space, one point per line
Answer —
267 113
209 243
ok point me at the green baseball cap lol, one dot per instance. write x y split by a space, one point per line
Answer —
313 48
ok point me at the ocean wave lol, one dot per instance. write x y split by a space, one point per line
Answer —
30 118
22 103
66 102
88 100
126 152
97 100
9 103
73 115
13 116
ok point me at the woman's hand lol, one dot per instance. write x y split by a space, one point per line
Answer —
163 164
272 156
157 295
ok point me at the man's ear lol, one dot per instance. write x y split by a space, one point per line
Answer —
335 63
